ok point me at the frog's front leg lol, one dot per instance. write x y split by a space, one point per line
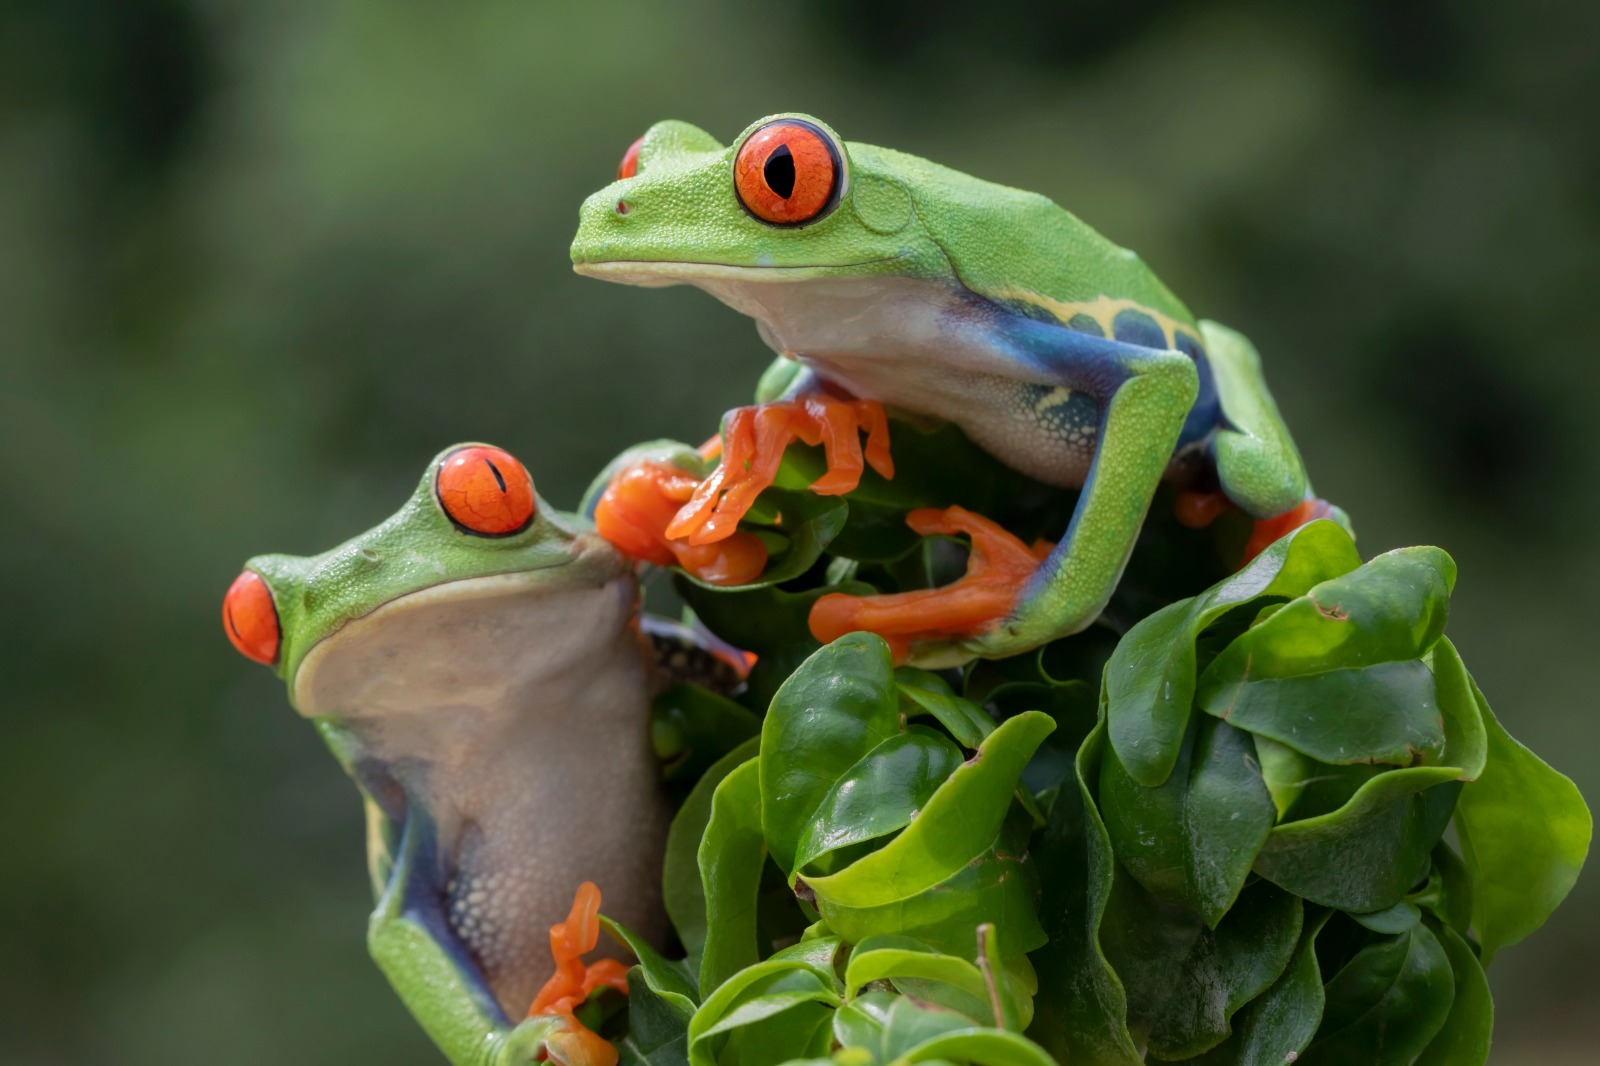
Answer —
1144 396
410 939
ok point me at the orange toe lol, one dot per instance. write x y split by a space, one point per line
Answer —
754 440
1270 529
1197 510
570 985
635 514
997 569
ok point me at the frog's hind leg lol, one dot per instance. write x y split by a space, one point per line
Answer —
1257 465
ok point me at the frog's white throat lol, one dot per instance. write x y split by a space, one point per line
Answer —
514 710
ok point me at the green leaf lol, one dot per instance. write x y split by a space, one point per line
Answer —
1150 680
1386 1004
928 693
880 958
682 891
658 1031
732 853
1080 1013
879 795
979 1047
795 976
807 523
1385 713
1367 854
958 824
1464 1039
999 888
1276 1026
666 980
1392 920
1466 739
1192 839
1391 609
1524 831
1184 980
839 705
692 727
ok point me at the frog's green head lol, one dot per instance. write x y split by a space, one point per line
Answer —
788 201
474 530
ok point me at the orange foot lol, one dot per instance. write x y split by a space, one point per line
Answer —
997 569
1270 529
755 440
640 503
572 982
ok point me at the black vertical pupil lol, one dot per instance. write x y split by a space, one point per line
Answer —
779 171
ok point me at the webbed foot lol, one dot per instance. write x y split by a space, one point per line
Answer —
925 621
753 443
639 504
571 1042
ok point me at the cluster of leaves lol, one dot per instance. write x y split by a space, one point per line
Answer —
1210 828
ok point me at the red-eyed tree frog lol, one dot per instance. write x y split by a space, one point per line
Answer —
478 666
882 278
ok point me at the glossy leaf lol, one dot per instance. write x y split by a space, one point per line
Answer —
1464 1039
1524 832
795 976
1192 839
929 693
840 704
979 1047
1386 1004
1185 981
879 795
1150 681
667 981
1276 1026
658 1032
1367 854
1385 713
880 958
732 853
999 887
1391 609
1466 738
682 891
958 824
1080 1013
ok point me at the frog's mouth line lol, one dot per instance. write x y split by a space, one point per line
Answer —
667 272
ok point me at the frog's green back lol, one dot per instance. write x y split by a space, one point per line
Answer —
1022 249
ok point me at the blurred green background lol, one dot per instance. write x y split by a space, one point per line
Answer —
259 261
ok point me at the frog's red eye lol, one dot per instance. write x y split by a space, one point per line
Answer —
485 491
630 161
788 173
251 618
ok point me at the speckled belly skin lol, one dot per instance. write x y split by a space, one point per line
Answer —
512 715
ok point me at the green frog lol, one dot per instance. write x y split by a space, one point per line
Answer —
880 278
478 666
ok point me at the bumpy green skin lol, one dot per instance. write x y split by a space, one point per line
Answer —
417 549
1040 281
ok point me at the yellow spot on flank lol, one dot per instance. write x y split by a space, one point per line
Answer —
1054 398
1103 309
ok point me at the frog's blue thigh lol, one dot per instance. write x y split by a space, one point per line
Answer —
1144 397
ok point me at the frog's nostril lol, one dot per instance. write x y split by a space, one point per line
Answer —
622 207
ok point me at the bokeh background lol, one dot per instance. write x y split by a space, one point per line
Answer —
259 261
